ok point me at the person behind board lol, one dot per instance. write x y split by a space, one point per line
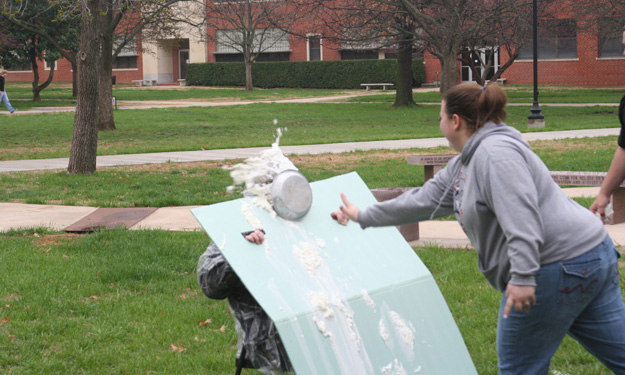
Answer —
259 344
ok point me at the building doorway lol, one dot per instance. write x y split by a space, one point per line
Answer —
479 58
183 62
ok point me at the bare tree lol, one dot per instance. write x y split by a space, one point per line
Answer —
606 19
54 30
250 28
449 26
369 25
505 36
82 158
123 22
23 45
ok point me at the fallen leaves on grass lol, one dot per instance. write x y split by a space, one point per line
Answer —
205 322
177 348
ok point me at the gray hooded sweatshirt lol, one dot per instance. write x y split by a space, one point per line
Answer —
503 196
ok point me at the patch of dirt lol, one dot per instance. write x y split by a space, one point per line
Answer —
569 144
48 240
168 166
310 161
12 297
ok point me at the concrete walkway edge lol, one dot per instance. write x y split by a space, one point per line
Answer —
243 153
441 233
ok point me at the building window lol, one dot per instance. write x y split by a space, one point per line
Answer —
371 54
125 62
265 40
610 38
127 57
267 56
46 65
314 48
21 67
557 39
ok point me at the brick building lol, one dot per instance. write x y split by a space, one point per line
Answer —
569 54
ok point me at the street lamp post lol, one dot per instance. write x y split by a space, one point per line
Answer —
535 119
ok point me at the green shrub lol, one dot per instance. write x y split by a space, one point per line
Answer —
340 74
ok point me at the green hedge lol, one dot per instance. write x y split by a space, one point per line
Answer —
340 74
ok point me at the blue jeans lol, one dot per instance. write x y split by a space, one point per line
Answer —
579 296
5 100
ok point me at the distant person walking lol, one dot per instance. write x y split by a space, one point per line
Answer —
3 94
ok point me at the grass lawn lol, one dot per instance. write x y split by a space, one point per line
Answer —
188 129
60 94
127 302
202 183
524 94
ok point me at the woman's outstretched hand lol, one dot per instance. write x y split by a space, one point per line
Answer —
347 212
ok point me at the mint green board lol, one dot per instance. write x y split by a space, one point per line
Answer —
344 300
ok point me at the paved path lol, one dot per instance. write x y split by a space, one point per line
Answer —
147 104
442 233
242 153
449 234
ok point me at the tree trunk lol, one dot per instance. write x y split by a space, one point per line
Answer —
75 79
106 120
32 56
39 88
449 70
248 75
82 158
403 93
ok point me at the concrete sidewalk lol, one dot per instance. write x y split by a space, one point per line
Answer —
438 233
443 233
243 153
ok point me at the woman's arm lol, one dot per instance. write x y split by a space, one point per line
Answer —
616 175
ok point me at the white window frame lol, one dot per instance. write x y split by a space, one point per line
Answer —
278 38
482 52
47 67
308 36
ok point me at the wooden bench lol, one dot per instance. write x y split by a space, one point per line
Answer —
369 85
431 163
138 82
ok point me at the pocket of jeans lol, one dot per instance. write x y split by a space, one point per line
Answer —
616 278
579 281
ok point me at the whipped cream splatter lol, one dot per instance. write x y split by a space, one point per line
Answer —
368 300
256 174
321 303
308 256
394 368
405 330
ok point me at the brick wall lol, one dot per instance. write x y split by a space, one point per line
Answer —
63 73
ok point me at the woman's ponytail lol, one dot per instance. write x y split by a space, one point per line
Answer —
476 105
491 105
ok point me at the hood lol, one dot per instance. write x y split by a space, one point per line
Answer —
489 129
